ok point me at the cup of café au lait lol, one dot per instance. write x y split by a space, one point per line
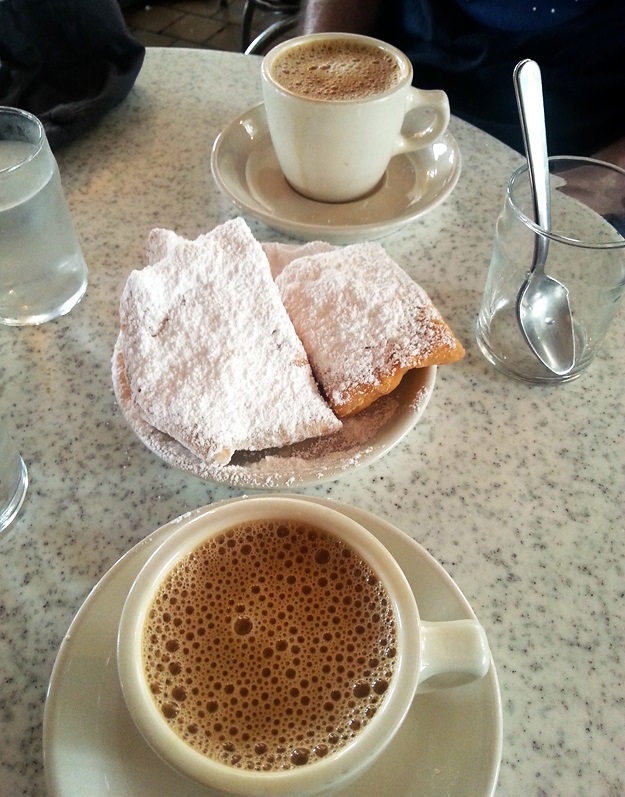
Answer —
336 104
273 646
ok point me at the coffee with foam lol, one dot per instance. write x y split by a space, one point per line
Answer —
336 69
270 646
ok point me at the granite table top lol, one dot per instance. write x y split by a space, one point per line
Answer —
515 489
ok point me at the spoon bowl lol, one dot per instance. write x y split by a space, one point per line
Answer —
543 308
545 318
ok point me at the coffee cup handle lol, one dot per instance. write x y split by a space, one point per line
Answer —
435 101
452 653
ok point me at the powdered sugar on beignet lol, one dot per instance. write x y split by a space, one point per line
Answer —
161 244
280 255
363 322
211 356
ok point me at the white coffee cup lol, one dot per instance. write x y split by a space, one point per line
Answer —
422 650
336 149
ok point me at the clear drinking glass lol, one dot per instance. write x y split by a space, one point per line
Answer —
42 270
586 253
13 479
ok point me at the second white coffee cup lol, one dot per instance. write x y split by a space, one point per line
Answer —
336 146
420 650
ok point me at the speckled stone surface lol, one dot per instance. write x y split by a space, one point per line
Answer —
516 490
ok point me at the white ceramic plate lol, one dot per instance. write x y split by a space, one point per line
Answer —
245 168
449 745
363 439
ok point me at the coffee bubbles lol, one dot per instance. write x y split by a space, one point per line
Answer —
271 646
337 69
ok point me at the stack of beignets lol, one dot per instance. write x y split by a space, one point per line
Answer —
217 352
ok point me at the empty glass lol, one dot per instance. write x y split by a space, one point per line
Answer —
586 254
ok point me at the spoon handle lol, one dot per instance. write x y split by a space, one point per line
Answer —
529 96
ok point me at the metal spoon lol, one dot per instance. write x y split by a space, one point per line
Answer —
543 307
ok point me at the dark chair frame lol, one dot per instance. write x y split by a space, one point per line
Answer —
287 12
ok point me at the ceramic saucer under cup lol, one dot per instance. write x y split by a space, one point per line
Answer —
246 169
450 742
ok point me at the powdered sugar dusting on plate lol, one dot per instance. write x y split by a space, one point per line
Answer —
363 439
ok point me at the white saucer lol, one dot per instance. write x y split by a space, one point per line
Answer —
245 168
450 743
364 438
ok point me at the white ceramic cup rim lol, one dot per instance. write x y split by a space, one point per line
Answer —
310 779
299 41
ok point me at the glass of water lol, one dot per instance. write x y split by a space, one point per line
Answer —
13 479
42 270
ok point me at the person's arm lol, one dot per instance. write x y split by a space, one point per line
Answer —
613 153
350 16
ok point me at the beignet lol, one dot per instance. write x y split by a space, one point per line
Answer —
211 356
363 322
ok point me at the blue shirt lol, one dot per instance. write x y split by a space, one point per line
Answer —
469 49
524 15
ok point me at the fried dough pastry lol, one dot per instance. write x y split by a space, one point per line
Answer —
363 322
211 356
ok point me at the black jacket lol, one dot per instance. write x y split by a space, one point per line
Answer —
66 61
